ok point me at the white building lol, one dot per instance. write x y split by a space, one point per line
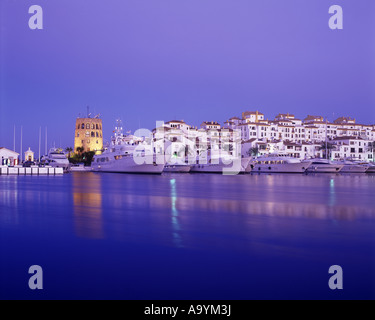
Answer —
8 157
303 139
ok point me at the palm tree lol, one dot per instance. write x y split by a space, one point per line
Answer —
327 146
69 150
253 151
371 148
80 150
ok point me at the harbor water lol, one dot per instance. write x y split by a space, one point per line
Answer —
187 236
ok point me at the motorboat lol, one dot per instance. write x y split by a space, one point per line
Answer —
324 166
56 158
223 165
280 164
124 155
354 167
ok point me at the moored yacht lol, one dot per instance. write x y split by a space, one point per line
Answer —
224 165
56 158
324 166
126 156
279 164
353 167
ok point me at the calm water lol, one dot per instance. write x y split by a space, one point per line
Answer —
187 236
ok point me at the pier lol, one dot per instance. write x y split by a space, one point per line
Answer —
30 171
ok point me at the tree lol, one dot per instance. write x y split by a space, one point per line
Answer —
80 150
87 157
69 150
253 151
371 148
327 146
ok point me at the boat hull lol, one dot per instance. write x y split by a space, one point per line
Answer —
80 169
324 168
216 168
354 169
127 165
282 167
177 168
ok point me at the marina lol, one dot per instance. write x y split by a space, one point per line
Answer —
186 157
176 147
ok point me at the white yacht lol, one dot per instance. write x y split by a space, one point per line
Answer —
354 167
280 164
220 166
324 166
123 155
56 158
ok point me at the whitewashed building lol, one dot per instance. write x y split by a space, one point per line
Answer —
8 157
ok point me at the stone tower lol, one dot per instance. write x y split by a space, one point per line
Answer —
89 134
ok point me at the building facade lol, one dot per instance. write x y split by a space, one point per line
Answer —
312 137
305 138
89 134
8 157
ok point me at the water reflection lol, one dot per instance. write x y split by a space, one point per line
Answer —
9 200
175 223
253 207
87 205
332 194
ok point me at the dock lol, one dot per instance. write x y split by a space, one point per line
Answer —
30 171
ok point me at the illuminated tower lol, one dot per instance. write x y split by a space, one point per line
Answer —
89 134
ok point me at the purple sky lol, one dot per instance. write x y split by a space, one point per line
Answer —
197 60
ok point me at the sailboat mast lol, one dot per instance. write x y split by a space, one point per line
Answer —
45 150
21 157
40 138
14 138
326 141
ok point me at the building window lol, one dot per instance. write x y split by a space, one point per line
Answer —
97 127
88 126
92 134
83 126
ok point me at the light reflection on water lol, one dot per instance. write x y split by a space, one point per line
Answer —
175 223
217 226
87 206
